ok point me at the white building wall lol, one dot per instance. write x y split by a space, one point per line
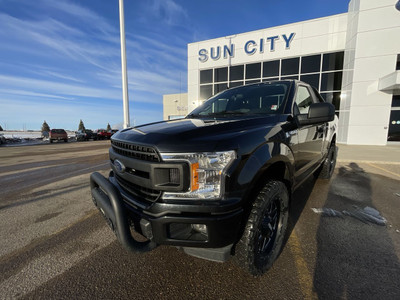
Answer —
315 36
174 106
372 45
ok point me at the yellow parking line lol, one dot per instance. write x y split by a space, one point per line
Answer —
304 275
383 169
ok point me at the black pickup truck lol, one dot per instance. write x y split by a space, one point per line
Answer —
219 182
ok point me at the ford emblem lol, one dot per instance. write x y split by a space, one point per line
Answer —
398 5
119 166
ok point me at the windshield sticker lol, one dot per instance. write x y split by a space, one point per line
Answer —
274 107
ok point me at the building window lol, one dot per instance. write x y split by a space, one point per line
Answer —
290 66
221 74
332 61
332 97
220 87
394 126
271 68
271 78
206 91
253 71
394 121
311 64
236 73
312 79
396 101
253 81
398 62
331 81
206 76
322 71
235 84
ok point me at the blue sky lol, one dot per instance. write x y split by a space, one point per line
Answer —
60 59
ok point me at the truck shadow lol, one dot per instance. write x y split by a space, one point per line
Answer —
297 204
354 260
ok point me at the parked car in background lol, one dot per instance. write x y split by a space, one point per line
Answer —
103 134
85 135
91 135
2 139
58 135
80 135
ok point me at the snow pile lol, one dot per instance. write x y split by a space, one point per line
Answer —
365 215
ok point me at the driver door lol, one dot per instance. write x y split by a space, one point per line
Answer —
308 151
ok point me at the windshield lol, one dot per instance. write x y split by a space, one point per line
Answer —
252 99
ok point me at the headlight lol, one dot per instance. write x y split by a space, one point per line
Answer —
206 173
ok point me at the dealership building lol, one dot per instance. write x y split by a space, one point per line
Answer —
353 59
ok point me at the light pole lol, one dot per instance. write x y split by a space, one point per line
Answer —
123 63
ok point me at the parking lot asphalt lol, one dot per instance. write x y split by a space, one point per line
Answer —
55 244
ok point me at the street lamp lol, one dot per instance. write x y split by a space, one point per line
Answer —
123 64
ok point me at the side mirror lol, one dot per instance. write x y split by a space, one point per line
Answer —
318 113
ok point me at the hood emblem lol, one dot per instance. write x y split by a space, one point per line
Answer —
119 166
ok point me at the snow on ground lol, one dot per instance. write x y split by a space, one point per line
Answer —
20 138
21 134
28 134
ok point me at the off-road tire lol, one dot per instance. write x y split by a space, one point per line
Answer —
329 163
265 230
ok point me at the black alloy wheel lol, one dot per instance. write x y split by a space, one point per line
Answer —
329 164
265 230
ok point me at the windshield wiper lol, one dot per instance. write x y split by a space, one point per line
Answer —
223 113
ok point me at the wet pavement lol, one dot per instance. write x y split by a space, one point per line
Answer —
55 245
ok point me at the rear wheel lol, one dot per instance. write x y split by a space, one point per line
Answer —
264 233
329 163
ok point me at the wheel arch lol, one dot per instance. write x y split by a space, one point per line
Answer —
277 168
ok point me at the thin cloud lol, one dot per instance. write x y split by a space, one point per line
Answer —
82 13
61 76
169 11
59 88
29 93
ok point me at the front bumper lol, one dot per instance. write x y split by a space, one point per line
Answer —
168 224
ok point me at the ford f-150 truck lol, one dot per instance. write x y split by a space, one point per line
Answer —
220 181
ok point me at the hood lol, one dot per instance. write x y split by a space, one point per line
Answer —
193 135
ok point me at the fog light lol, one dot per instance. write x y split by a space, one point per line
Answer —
202 228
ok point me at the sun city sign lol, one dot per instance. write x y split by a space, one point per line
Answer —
250 47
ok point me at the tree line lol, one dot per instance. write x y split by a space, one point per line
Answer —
81 126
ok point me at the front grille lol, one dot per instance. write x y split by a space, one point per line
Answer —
138 191
135 151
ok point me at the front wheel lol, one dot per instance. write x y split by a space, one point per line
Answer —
265 230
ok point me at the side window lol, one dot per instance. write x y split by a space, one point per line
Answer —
303 99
